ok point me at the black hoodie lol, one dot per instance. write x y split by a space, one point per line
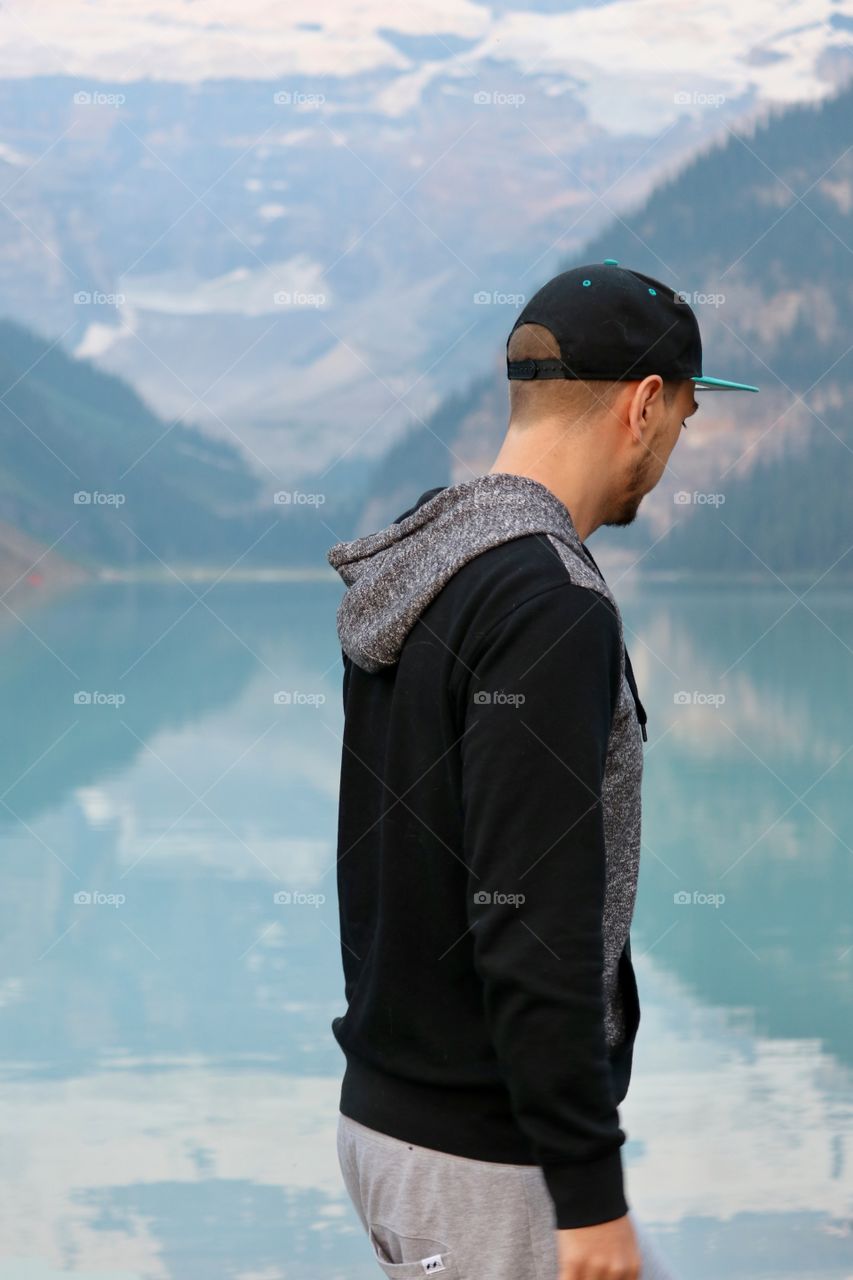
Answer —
488 839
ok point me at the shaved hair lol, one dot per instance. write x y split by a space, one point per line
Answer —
582 401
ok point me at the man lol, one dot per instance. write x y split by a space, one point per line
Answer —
489 821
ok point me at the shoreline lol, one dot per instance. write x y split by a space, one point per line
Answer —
203 573
652 577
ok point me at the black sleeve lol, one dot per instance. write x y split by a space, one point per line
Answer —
539 705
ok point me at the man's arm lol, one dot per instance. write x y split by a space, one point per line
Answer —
539 708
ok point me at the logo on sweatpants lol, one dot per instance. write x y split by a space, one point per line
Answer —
433 1264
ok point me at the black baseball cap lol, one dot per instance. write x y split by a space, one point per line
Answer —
617 325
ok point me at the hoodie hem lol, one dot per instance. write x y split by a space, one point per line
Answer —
475 1122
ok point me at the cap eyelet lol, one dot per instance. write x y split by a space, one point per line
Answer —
586 283
653 292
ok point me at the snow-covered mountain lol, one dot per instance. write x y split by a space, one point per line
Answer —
301 230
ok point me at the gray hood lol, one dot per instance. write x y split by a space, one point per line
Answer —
394 574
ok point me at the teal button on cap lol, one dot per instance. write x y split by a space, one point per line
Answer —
611 262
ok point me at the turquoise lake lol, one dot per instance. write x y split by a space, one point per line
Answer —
170 954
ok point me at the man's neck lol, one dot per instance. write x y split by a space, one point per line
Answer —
576 494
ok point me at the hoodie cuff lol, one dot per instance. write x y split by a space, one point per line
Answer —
586 1195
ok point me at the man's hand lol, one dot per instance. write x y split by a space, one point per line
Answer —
605 1252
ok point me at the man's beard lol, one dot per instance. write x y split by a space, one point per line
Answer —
626 508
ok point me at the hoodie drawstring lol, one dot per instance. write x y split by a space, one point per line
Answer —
641 710
629 670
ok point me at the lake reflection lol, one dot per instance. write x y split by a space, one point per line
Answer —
170 1081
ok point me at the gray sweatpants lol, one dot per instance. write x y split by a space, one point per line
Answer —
430 1213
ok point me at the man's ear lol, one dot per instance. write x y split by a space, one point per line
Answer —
648 397
636 412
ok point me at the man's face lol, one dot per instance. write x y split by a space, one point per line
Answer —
660 439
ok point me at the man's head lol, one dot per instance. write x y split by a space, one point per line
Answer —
603 364
627 429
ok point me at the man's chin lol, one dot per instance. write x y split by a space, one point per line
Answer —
626 515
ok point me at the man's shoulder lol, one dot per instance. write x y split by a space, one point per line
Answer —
526 573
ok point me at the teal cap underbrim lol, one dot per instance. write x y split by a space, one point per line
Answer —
721 384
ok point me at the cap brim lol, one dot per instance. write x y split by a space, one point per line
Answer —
721 384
